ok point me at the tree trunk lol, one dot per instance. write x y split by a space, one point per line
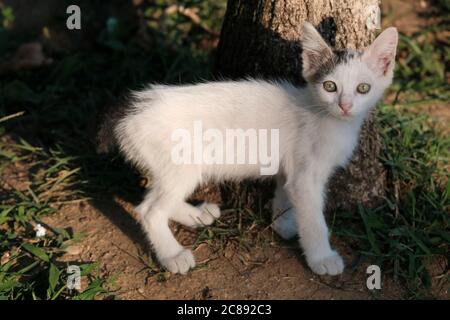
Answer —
260 38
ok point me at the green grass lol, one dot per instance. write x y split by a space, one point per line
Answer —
57 153
412 229
30 268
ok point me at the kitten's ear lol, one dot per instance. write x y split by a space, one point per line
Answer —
380 55
315 50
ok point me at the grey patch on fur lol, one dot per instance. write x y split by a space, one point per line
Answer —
330 62
345 56
106 139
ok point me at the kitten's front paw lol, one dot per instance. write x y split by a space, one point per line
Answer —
331 264
181 263
210 212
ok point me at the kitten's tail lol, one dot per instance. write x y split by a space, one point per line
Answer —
106 138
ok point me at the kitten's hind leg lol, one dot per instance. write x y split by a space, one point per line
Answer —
196 216
154 214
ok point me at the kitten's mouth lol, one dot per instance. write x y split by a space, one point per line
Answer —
344 115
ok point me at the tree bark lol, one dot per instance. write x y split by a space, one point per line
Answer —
260 38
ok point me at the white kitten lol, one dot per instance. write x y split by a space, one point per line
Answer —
318 130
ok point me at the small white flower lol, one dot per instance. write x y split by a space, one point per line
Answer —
40 230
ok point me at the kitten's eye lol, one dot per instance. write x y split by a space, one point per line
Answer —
329 86
363 88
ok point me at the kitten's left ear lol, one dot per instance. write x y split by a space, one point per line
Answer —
315 50
380 55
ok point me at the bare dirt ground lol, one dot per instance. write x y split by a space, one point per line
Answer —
274 270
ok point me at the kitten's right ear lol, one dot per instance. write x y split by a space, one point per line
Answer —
315 50
380 55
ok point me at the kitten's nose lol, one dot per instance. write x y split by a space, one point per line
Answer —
345 106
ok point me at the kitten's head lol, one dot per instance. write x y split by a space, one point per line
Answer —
348 83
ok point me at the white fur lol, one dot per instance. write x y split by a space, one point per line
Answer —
314 139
